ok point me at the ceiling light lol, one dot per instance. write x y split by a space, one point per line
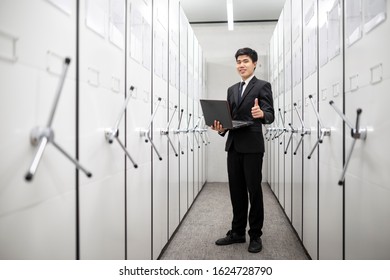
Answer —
229 6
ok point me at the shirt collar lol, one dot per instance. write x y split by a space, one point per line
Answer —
248 80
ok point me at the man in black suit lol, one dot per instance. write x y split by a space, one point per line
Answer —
249 100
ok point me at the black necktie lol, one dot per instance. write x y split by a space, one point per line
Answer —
240 91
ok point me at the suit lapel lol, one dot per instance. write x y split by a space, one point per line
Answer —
248 89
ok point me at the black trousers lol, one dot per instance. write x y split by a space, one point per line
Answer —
244 171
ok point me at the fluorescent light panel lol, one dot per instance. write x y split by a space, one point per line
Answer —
229 6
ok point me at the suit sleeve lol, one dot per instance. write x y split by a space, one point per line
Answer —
267 104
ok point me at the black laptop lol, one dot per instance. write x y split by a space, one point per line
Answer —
219 110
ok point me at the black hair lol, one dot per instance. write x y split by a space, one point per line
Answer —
247 51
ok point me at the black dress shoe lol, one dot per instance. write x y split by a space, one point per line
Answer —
231 237
255 245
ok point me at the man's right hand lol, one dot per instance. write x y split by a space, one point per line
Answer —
218 127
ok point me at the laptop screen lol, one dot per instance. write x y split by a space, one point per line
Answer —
216 110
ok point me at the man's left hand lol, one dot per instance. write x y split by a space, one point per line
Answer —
257 113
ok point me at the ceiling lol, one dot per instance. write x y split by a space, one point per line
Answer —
215 10
217 42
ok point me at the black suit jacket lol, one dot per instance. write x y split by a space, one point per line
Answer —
249 139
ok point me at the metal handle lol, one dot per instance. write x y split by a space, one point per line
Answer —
186 131
154 113
153 146
283 129
126 152
341 114
122 112
197 124
201 136
173 147
207 137
190 142
304 130
112 134
59 90
342 178
146 133
188 123
288 143
37 158
280 130
323 131
42 136
315 111
75 162
202 130
197 141
177 131
293 130
359 133
195 129
281 117
299 143
271 130
319 140
356 133
166 132
180 118
170 121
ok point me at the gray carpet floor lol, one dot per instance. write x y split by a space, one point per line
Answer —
210 219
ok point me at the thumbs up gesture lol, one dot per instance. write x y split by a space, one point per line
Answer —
256 111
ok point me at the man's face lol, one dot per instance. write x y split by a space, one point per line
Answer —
245 66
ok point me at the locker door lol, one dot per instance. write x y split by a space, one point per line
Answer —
269 154
205 133
190 123
102 95
274 143
138 184
160 121
276 92
37 218
286 110
174 114
330 204
184 114
201 134
367 81
310 85
296 143
196 117
280 116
